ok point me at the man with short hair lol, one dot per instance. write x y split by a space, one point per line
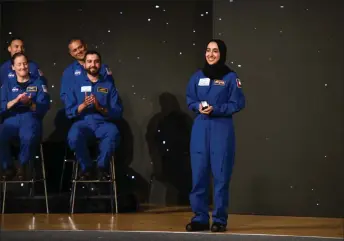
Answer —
16 45
77 49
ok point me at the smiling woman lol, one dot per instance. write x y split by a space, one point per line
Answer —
213 94
24 103
21 67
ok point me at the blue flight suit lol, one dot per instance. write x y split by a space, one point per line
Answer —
20 122
212 144
75 69
90 125
7 73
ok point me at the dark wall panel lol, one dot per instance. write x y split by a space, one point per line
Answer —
290 58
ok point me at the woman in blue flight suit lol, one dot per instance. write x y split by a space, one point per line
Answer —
24 103
214 94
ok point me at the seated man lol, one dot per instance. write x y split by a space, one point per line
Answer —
24 103
93 103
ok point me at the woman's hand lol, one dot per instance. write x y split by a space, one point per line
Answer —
205 111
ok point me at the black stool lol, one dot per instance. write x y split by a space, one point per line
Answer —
75 180
32 180
69 157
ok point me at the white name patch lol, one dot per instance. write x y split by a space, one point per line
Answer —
204 82
86 88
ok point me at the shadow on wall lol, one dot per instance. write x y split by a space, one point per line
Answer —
125 157
168 137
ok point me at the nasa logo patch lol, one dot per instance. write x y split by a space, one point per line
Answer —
11 75
77 72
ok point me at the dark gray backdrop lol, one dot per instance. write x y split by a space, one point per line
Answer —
289 57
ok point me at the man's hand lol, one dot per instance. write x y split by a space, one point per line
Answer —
95 102
100 109
87 101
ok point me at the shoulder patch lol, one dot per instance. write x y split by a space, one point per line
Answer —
40 72
108 71
238 82
45 89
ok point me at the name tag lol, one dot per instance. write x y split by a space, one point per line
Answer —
86 88
204 82
102 90
31 89
219 82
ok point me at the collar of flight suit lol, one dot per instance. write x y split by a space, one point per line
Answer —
86 79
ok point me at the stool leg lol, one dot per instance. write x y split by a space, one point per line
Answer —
44 180
72 199
114 182
4 197
112 194
62 175
33 182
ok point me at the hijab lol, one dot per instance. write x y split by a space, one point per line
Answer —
219 69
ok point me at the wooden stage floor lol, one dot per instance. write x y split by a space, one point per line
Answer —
173 221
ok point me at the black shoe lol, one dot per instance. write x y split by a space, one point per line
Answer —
196 226
218 227
8 174
85 175
20 175
103 175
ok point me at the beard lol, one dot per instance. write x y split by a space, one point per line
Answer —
93 71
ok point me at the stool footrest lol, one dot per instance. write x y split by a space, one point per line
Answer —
93 181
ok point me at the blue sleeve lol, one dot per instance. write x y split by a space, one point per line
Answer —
3 74
236 99
115 108
191 95
65 83
71 104
4 99
37 73
42 99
